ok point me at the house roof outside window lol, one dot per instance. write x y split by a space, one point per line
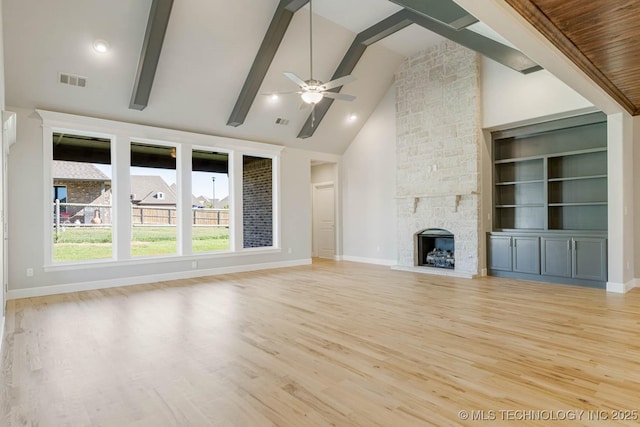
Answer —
80 171
151 190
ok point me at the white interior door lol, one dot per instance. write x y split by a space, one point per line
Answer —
324 220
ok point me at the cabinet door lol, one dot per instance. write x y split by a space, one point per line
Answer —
590 258
526 254
556 256
500 253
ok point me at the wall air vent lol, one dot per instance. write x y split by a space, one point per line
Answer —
72 80
281 121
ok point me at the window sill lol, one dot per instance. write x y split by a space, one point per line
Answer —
109 263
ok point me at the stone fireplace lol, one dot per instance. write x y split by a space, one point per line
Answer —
435 248
438 153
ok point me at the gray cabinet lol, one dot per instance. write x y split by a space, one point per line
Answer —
555 256
500 253
589 258
576 257
520 254
526 254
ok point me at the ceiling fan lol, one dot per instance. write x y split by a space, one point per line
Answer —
313 91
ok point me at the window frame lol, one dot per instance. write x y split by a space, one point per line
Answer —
121 135
231 175
47 137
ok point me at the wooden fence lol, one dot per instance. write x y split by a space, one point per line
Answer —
168 216
139 215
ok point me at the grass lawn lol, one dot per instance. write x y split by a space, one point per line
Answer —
86 243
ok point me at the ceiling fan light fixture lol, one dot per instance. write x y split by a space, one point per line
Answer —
311 97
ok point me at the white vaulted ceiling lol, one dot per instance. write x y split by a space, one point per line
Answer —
207 53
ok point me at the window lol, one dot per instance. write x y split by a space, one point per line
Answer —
137 204
210 201
81 175
257 201
60 194
154 214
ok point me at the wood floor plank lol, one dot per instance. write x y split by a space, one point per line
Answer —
333 343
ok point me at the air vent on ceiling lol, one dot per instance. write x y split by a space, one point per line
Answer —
72 80
281 121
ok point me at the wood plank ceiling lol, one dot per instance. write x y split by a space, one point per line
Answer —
602 37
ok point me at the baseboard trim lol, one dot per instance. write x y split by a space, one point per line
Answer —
140 280
622 288
378 261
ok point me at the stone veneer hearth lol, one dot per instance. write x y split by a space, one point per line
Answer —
438 150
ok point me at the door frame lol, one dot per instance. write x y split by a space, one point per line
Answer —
315 252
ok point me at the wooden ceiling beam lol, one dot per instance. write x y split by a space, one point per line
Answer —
270 44
447 12
150 55
359 45
505 55
485 46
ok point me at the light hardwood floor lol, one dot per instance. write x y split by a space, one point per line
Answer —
342 344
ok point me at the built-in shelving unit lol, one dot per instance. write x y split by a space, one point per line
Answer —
549 180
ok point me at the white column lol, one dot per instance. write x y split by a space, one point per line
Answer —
620 202
183 187
121 198
236 228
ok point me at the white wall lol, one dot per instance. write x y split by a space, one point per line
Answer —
324 172
512 98
368 184
27 210
2 207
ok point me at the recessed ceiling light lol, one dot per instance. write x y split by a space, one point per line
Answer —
101 46
352 117
274 97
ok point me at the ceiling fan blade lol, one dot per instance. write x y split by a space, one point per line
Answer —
338 96
338 82
297 80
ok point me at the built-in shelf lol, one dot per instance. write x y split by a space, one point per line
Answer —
579 204
524 205
574 178
552 179
550 202
520 182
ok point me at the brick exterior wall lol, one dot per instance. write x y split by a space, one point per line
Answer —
257 202
88 192
438 150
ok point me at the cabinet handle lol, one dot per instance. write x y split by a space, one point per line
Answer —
575 245
568 245
515 243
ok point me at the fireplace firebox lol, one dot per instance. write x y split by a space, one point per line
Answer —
436 248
